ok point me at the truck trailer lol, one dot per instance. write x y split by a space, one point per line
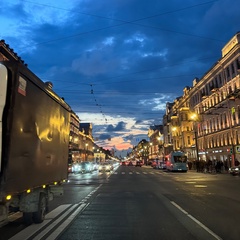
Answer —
34 139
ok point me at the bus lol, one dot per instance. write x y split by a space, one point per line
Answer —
176 162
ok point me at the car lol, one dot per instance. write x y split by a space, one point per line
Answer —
139 164
154 164
105 167
87 166
234 170
162 165
82 167
94 166
124 164
158 164
76 167
130 163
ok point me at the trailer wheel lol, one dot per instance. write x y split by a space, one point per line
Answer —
39 216
27 218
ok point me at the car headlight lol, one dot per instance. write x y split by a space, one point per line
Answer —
76 168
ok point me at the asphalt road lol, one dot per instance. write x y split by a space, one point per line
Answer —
142 203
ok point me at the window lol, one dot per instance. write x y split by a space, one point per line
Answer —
233 69
238 63
233 114
220 79
217 124
220 122
221 141
228 72
238 112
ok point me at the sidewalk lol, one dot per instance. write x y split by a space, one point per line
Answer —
209 172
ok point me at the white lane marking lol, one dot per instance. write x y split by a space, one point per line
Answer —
196 221
144 173
137 172
200 186
55 223
55 214
64 225
32 229
130 173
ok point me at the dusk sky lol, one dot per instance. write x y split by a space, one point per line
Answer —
118 62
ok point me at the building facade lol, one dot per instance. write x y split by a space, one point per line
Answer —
215 98
205 121
155 134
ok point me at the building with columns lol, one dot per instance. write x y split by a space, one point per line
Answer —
205 121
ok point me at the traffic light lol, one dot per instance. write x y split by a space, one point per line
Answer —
231 151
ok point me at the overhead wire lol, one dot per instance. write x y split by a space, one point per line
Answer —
127 22
99 105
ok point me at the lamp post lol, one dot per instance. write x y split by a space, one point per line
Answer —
145 155
86 149
194 117
150 150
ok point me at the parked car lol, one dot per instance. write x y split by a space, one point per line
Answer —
159 165
139 164
234 170
162 165
130 163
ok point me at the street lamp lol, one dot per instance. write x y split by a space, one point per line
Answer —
194 118
145 155
86 149
150 150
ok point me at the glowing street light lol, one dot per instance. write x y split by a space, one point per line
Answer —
86 149
194 118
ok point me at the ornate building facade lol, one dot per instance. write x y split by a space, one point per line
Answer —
205 121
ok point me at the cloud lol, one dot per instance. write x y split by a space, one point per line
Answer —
119 127
104 137
117 63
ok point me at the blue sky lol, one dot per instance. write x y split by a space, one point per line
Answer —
117 62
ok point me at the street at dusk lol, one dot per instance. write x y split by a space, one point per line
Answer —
119 120
142 203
